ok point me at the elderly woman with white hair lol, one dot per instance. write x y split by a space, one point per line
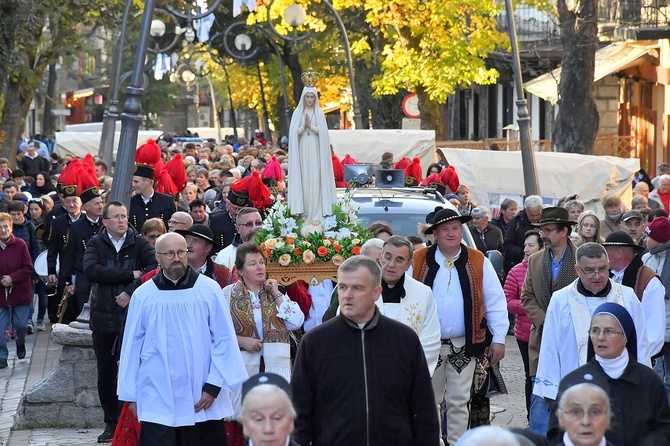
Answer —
267 411
487 237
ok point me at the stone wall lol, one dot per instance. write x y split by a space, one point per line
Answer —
68 396
606 95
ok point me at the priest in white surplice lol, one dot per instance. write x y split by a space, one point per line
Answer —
179 357
565 337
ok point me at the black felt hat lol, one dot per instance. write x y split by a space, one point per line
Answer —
444 216
554 215
144 171
620 238
201 231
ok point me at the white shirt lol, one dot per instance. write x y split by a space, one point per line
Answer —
559 353
653 305
320 302
117 244
450 304
176 341
226 256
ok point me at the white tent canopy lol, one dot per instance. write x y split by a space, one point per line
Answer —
80 143
490 174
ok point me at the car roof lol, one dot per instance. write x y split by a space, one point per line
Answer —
402 208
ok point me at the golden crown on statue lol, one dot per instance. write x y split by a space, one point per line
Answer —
310 77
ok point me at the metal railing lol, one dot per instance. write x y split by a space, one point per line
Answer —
647 13
531 24
604 145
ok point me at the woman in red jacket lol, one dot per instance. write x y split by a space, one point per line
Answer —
532 243
16 268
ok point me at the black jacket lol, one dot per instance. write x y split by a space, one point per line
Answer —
49 218
32 166
60 234
499 221
640 412
370 386
72 261
111 273
223 228
491 239
159 206
518 226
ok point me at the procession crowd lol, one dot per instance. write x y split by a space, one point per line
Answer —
196 345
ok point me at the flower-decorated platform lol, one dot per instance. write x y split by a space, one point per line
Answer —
313 257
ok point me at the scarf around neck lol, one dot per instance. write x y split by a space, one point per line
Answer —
614 367
566 275
242 313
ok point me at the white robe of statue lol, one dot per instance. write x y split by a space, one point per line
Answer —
311 190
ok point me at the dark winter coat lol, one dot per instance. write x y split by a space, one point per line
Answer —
371 383
111 273
518 226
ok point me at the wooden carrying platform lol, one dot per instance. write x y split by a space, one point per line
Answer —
313 274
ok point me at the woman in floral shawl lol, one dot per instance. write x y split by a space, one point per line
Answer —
262 317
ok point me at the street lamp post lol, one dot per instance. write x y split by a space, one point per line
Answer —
130 118
294 16
531 183
243 44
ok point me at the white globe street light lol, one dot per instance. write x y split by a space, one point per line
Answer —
157 28
242 42
295 15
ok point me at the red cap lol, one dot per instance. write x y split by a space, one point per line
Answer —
273 170
414 170
449 178
659 229
402 163
348 159
177 171
259 194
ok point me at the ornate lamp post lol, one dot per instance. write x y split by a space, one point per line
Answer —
295 15
243 44
130 118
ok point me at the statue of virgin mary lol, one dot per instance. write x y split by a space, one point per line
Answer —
311 189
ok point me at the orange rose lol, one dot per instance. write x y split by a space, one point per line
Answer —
337 247
322 251
297 251
268 253
290 241
356 250
263 246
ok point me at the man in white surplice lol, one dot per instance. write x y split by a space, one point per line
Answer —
565 337
179 352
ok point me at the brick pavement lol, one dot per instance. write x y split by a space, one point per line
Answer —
42 354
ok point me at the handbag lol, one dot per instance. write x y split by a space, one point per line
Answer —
495 385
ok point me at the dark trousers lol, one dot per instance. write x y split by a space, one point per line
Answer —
523 348
104 345
207 433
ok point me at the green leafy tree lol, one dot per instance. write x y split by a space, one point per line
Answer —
46 29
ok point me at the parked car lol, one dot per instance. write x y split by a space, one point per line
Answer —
403 208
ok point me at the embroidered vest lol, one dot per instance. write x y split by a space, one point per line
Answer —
470 267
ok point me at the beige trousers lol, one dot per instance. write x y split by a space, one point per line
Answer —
454 387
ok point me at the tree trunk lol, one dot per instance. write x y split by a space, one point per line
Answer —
431 114
293 63
577 121
49 101
17 105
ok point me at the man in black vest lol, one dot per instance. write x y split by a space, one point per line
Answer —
72 263
147 203
58 238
